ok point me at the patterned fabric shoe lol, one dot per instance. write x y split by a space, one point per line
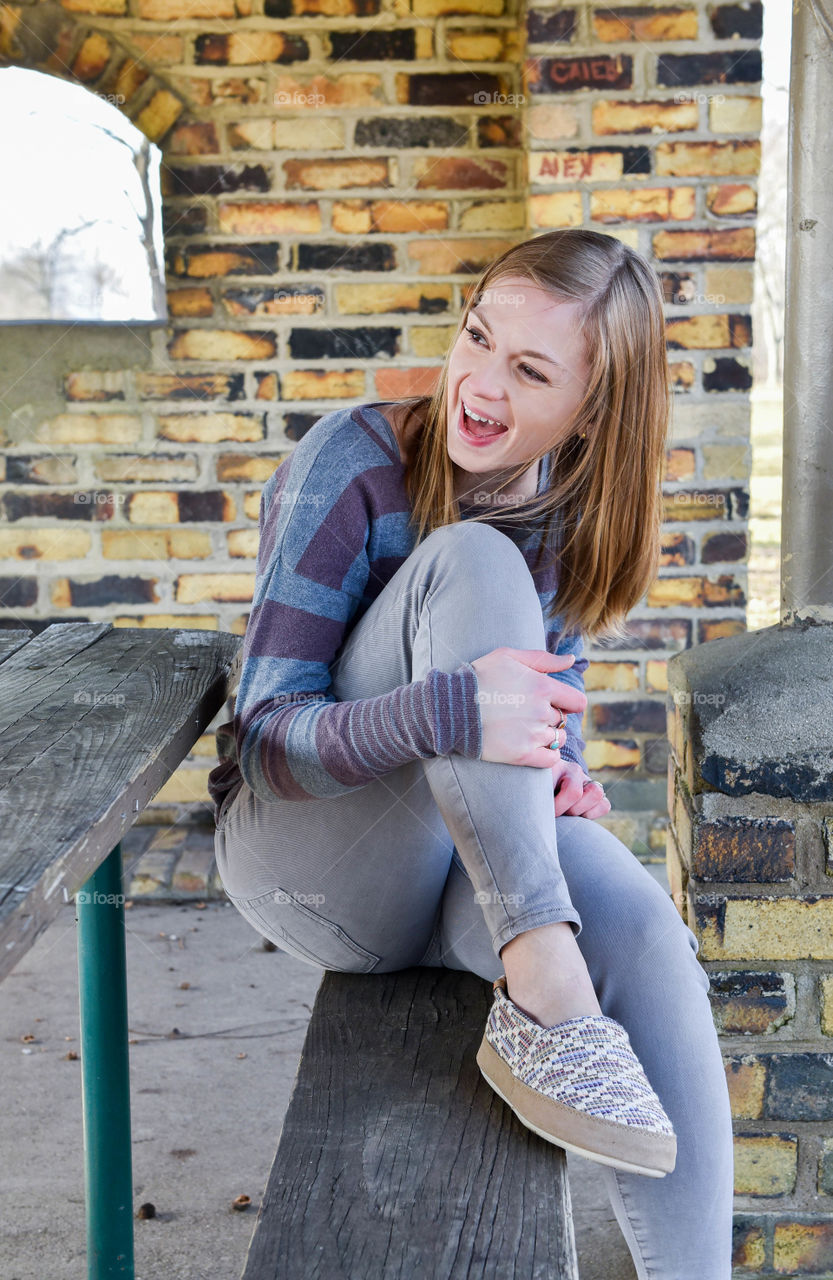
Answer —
577 1084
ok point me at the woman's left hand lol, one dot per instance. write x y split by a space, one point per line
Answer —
576 795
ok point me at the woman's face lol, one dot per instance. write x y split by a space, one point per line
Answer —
520 361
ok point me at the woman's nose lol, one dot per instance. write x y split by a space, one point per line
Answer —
487 381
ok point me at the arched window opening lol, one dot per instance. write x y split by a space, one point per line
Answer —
81 211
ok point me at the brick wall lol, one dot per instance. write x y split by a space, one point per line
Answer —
336 171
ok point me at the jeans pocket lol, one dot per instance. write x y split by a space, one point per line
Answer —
287 920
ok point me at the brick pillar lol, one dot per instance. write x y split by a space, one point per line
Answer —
750 856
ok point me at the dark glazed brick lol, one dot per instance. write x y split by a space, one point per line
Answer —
566 75
213 48
499 131
183 222
112 589
550 28
83 505
35 468
709 68
373 46
215 179
677 548
748 1003
749 1239
649 633
727 375
800 1086
677 287
724 546
655 755
629 717
457 89
336 344
738 21
298 424
397 133
742 849
18 593
249 259
195 506
344 257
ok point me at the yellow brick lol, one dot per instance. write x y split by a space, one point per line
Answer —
257 134
111 7
775 928
371 299
193 588
654 204
251 505
333 175
247 47
160 113
354 89
220 344
179 621
424 42
246 466
188 544
729 284
389 216
688 159
731 199
262 218
675 591
134 544
167 10
329 384
92 57
44 544
747 1089
731 114
186 785
242 542
90 428
699 331
826 996
428 340
475 46
616 676
623 828
190 302
437 8
656 674
553 121
95 384
666 24
210 427
324 134
447 257
205 745
9 21
154 508
352 217
725 461
601 754
494 215
765 1166
561 210
676 873
644 117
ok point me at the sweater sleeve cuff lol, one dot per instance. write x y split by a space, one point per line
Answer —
456 711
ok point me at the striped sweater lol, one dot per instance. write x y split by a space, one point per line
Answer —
334 528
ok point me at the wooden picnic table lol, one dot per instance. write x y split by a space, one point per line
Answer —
93 720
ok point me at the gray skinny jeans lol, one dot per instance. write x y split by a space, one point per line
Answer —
442 861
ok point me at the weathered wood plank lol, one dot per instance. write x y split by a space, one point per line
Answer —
104 724
396 1159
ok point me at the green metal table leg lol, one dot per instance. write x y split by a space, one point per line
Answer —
102 980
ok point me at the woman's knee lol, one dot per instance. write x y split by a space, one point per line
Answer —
475 547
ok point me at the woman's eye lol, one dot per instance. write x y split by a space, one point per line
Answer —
534 373
473 333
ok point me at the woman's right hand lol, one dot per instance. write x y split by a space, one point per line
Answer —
520 704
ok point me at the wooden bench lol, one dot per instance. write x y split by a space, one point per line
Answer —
93 720
397 1161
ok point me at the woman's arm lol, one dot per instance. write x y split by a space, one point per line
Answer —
293 738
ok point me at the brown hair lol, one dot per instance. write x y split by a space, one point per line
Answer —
603 503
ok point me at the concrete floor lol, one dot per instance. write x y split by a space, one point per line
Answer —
207 1103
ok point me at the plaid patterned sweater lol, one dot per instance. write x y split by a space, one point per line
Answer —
334 528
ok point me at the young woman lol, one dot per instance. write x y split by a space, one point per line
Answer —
403 781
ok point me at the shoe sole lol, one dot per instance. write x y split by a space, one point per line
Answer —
604 1141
